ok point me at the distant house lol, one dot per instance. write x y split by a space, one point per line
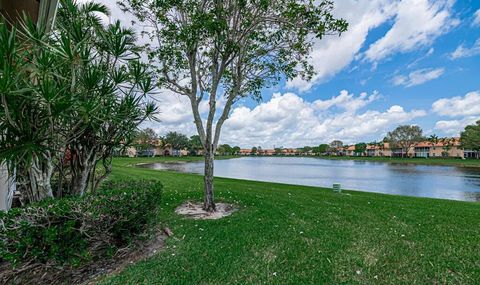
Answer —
467 153
338 151
245 151
373 150
130 151
290 151
422 149
269 152
169 150
399 152
155 148
448 147
441 148
350 150
384 149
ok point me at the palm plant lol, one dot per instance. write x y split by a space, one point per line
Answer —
109 85
33 104
74 96
433 139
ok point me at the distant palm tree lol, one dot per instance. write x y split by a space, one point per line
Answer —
433 139
447 145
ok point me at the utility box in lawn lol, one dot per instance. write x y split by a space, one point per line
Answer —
337 187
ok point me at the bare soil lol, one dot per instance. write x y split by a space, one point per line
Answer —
194 210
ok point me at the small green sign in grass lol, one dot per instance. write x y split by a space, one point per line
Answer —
337 187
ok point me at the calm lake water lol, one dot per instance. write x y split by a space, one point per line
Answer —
446 182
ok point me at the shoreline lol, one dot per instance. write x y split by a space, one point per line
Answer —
180 160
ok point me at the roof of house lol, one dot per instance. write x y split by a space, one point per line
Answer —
440 143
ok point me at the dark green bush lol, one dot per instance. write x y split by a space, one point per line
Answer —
74 231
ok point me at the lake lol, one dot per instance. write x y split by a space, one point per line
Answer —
446 182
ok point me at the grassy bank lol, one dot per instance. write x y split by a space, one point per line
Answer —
286 234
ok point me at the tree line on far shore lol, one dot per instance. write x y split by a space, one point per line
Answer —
403 138
147 138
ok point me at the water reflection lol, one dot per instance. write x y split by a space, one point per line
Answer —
447 182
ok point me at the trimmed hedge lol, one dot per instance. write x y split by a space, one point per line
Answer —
74 231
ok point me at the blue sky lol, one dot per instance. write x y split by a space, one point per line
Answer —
459 77
401 62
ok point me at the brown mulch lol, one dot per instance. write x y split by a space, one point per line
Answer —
87 274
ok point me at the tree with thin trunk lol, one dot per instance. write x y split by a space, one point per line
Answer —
212 49
405 137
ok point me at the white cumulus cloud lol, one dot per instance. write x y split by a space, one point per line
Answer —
288 120
476 18
332 54
468 105
418 77
463 51
417 24
347 101
454 127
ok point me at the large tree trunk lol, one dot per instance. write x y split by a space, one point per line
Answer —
82 163
39 179
7 188
209 204
80 181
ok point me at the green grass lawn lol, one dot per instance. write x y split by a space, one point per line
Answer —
287 234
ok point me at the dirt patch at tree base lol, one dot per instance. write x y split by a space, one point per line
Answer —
194 210
88 274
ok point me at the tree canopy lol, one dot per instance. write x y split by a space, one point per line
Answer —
70 99
360 148
323 148
211 49
178 141
336 144
470 137
144 139
404 137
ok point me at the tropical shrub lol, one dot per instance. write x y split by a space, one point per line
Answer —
70 99
76 230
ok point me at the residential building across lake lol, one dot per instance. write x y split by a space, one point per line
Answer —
442 148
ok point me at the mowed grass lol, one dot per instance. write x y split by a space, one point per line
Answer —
287 234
